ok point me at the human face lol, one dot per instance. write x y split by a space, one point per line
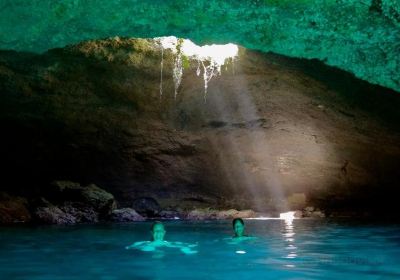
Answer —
158 232
238 227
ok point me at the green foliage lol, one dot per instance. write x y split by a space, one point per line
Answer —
179 45
185 62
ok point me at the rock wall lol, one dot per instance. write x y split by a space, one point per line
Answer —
274 134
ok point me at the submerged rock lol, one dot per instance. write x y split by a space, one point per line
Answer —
125 215
13 209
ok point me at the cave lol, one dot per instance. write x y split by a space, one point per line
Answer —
129 112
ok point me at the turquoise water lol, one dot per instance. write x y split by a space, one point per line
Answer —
306 249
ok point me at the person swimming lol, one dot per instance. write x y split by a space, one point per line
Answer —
158 233
239 231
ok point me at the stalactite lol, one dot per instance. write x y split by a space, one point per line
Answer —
211 58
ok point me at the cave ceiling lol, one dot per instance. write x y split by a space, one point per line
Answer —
362 37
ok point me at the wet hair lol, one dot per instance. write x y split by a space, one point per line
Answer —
156 223
237 220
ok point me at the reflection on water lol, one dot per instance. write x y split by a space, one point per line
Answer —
289 237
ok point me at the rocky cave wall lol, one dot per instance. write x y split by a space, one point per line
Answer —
362 37
275 133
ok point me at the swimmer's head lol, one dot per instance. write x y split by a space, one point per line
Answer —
158 231
238 227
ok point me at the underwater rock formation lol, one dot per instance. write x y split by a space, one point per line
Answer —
272 128
362 37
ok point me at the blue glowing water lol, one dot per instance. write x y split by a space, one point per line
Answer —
305 249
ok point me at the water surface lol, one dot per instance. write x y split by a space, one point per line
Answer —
305 249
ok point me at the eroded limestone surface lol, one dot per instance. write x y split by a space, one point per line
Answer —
275 133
